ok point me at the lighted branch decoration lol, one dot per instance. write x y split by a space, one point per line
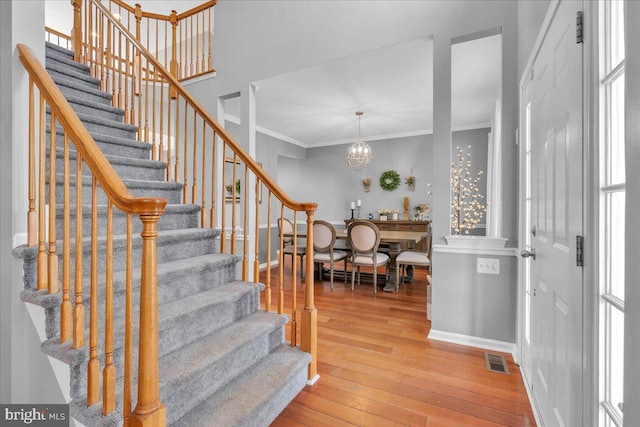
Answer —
467 207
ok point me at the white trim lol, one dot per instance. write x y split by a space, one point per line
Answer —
532 400
263 266
446 249
470 341
313 380
19 239
538 44
420 132
267 225
471 126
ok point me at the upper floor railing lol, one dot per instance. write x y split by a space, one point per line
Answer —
182 42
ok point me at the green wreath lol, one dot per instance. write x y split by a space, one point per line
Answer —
389 180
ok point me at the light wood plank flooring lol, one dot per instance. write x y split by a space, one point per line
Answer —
377 368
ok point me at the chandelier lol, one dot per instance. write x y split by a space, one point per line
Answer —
359 154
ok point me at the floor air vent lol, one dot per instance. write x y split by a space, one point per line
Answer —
496 363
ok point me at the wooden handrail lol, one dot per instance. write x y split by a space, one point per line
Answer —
197 9
203 113
57 33
161 17
84 142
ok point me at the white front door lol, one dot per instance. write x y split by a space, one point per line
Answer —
555 288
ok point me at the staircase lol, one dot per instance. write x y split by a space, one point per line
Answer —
222 360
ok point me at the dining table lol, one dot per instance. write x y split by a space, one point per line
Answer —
391 242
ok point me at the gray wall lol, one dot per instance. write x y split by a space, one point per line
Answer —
325 177
477 305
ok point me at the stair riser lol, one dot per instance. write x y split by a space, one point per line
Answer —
69 90
173 196
105 129
217 376
70 77
108 148
181 332
169 221
125 171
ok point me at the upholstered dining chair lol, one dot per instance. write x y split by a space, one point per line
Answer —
415 258
364 239
285 227
324 237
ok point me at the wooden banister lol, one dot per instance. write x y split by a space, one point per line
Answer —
84 142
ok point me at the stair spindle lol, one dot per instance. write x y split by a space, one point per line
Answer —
42 274
93 366
52 261
78 312
109 371
32 216
65 305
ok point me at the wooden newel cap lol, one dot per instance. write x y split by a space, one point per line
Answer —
149 205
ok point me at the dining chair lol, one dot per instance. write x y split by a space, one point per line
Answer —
285 228
324 238
414 258
364 239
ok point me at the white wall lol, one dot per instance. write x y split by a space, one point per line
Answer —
25 371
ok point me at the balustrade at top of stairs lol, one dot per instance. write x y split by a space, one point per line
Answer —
222 360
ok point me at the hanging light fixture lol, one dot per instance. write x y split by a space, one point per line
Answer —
359 154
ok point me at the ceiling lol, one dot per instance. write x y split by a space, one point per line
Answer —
392 85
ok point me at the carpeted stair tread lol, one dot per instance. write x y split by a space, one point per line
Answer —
129 183
73 74
91 119
55 56
94 105
116 160
165 237
142 148
187 360
170 315
167 273
59 49
68 83
257 396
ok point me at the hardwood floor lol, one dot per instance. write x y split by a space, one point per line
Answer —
377 368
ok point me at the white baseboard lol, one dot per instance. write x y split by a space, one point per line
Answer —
263 266
485 343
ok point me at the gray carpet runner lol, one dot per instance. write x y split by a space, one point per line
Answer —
223 361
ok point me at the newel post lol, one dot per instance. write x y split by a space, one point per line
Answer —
76 30
149 410
173 64
309 326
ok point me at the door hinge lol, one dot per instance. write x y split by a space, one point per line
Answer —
579 36
579 251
